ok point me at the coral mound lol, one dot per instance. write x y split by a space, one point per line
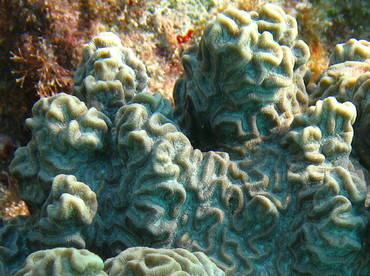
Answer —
148 261
247 175
243 81
348 79
62 261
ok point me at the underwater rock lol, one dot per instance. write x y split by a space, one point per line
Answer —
242 170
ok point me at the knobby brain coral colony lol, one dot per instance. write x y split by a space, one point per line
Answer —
251 173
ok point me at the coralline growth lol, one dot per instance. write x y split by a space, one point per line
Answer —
249 174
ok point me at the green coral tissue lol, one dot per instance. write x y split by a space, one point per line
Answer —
252 172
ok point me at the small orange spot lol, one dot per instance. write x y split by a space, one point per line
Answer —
182 39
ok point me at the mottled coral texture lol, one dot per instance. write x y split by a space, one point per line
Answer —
348 79
248 175
62 261
143 261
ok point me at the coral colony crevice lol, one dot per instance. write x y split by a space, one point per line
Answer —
251 173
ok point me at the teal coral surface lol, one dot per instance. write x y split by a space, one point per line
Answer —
249 174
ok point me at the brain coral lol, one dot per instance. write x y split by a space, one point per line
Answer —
348 79
243 81
142 261
110 74
62 261
247 175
